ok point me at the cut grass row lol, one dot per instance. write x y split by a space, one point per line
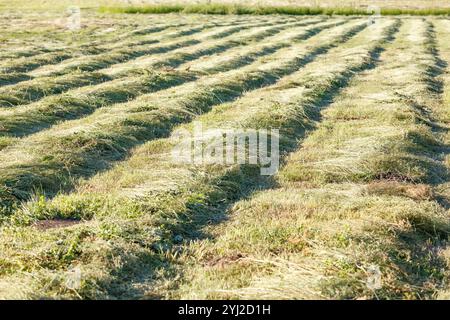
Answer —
24 44
136 208
123 52
28 61
244 55
356 149
54 82
112 34
351 202
75 75
15 70
24 120
92 150
105 34
442 50
49 64
241 34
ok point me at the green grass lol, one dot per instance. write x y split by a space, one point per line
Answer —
311 237
101 56
223 9
88 185
347 146
28 119
92 149
188 196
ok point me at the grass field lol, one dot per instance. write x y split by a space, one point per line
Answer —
92 205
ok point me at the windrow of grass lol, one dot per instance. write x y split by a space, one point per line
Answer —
29 37
98 58
124 51
442 51
18 67
182 56
28 64
25 61
22 49
93 145
72 76
115 39
144 212
105 33
385 131
224 9
243 55
141 26
27 49
24 120
40 87
331 232
442 38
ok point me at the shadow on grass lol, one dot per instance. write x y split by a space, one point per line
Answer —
85 154
234 186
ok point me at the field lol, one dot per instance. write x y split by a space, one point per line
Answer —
92 205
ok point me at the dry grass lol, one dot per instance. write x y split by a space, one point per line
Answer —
137 121
87 185
184 196
318 239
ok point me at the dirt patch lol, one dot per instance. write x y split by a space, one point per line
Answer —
55 223
395 188
221 262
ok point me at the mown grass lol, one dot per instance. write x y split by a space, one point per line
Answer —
224 9
93 49
33 118
91 150
130 50
62 77
347 148
80 75
138 208
442 50
53 51
99 56
319 238
366 184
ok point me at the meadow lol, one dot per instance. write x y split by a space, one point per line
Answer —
93 207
